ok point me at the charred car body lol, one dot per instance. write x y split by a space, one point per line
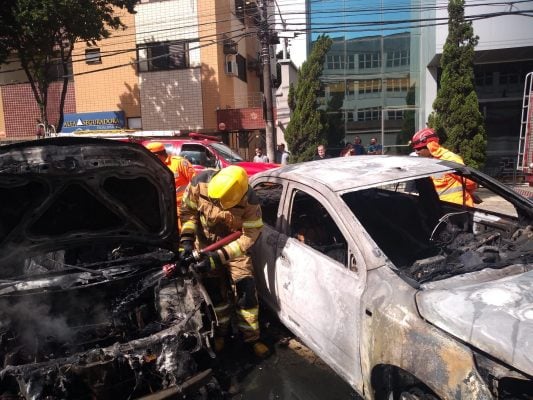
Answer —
85 311
403 295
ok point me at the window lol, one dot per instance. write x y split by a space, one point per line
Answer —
162 56
311 224
335 62
369 60
241 67
395 114
397 85
508 77
350 88
483 78
135 123
370 86
397 58
350 60
369 114
269 194
92 56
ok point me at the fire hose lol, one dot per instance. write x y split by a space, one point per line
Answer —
168 271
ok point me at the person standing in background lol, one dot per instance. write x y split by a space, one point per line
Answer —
282 155
320 153
358 147
259 156
374 147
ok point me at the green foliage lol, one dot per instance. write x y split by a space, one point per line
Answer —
457 118
408 127
42 34
308 126
335 122
291 97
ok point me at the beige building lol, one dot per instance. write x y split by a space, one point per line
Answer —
178 65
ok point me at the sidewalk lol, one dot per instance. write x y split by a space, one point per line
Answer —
524 190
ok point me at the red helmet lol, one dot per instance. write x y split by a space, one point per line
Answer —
423 137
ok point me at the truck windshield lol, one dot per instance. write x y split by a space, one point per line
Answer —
225 152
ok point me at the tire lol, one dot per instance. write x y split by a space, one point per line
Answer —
415 393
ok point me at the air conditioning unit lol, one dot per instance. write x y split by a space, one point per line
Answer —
230 46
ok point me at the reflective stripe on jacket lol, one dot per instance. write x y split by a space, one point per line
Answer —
183 173
207 222
450 186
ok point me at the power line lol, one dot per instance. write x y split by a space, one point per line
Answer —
357 27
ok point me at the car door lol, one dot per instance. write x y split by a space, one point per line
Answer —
319 276
265 249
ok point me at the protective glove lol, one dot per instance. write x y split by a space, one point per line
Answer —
186 248
209 262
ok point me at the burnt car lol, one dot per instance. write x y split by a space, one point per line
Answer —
87 227
403 295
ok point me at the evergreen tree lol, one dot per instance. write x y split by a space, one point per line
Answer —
408 126
335 121
457 118
307 127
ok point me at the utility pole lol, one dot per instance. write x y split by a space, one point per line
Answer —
264 34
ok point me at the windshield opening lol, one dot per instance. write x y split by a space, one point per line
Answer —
428 239
226 153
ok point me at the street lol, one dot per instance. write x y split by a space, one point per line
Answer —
291 372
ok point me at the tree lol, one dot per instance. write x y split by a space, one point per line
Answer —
335 122
408 126
42 34
456 115
308 127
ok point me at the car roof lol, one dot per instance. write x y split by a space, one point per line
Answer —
180 140
348 173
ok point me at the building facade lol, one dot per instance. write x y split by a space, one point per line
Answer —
381 75
188 65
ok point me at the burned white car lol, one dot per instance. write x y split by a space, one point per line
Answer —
403 295
86 227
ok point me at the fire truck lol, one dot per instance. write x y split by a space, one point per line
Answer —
203 151
525 144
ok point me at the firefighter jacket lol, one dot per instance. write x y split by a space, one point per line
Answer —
450 186
204 220
183 173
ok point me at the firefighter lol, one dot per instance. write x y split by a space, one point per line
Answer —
449 186
216 204
180 166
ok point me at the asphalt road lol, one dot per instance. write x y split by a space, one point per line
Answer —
292 372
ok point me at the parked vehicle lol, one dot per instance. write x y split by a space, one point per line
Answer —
403 295
85 308
205 151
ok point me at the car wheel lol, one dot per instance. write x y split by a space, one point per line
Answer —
415 393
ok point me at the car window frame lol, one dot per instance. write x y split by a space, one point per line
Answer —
279 213
318 193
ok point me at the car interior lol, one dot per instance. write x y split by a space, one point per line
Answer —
311 224
197 155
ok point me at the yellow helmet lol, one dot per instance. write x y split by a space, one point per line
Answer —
228 186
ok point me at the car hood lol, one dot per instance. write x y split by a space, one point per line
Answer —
61 191
495 317
252 168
